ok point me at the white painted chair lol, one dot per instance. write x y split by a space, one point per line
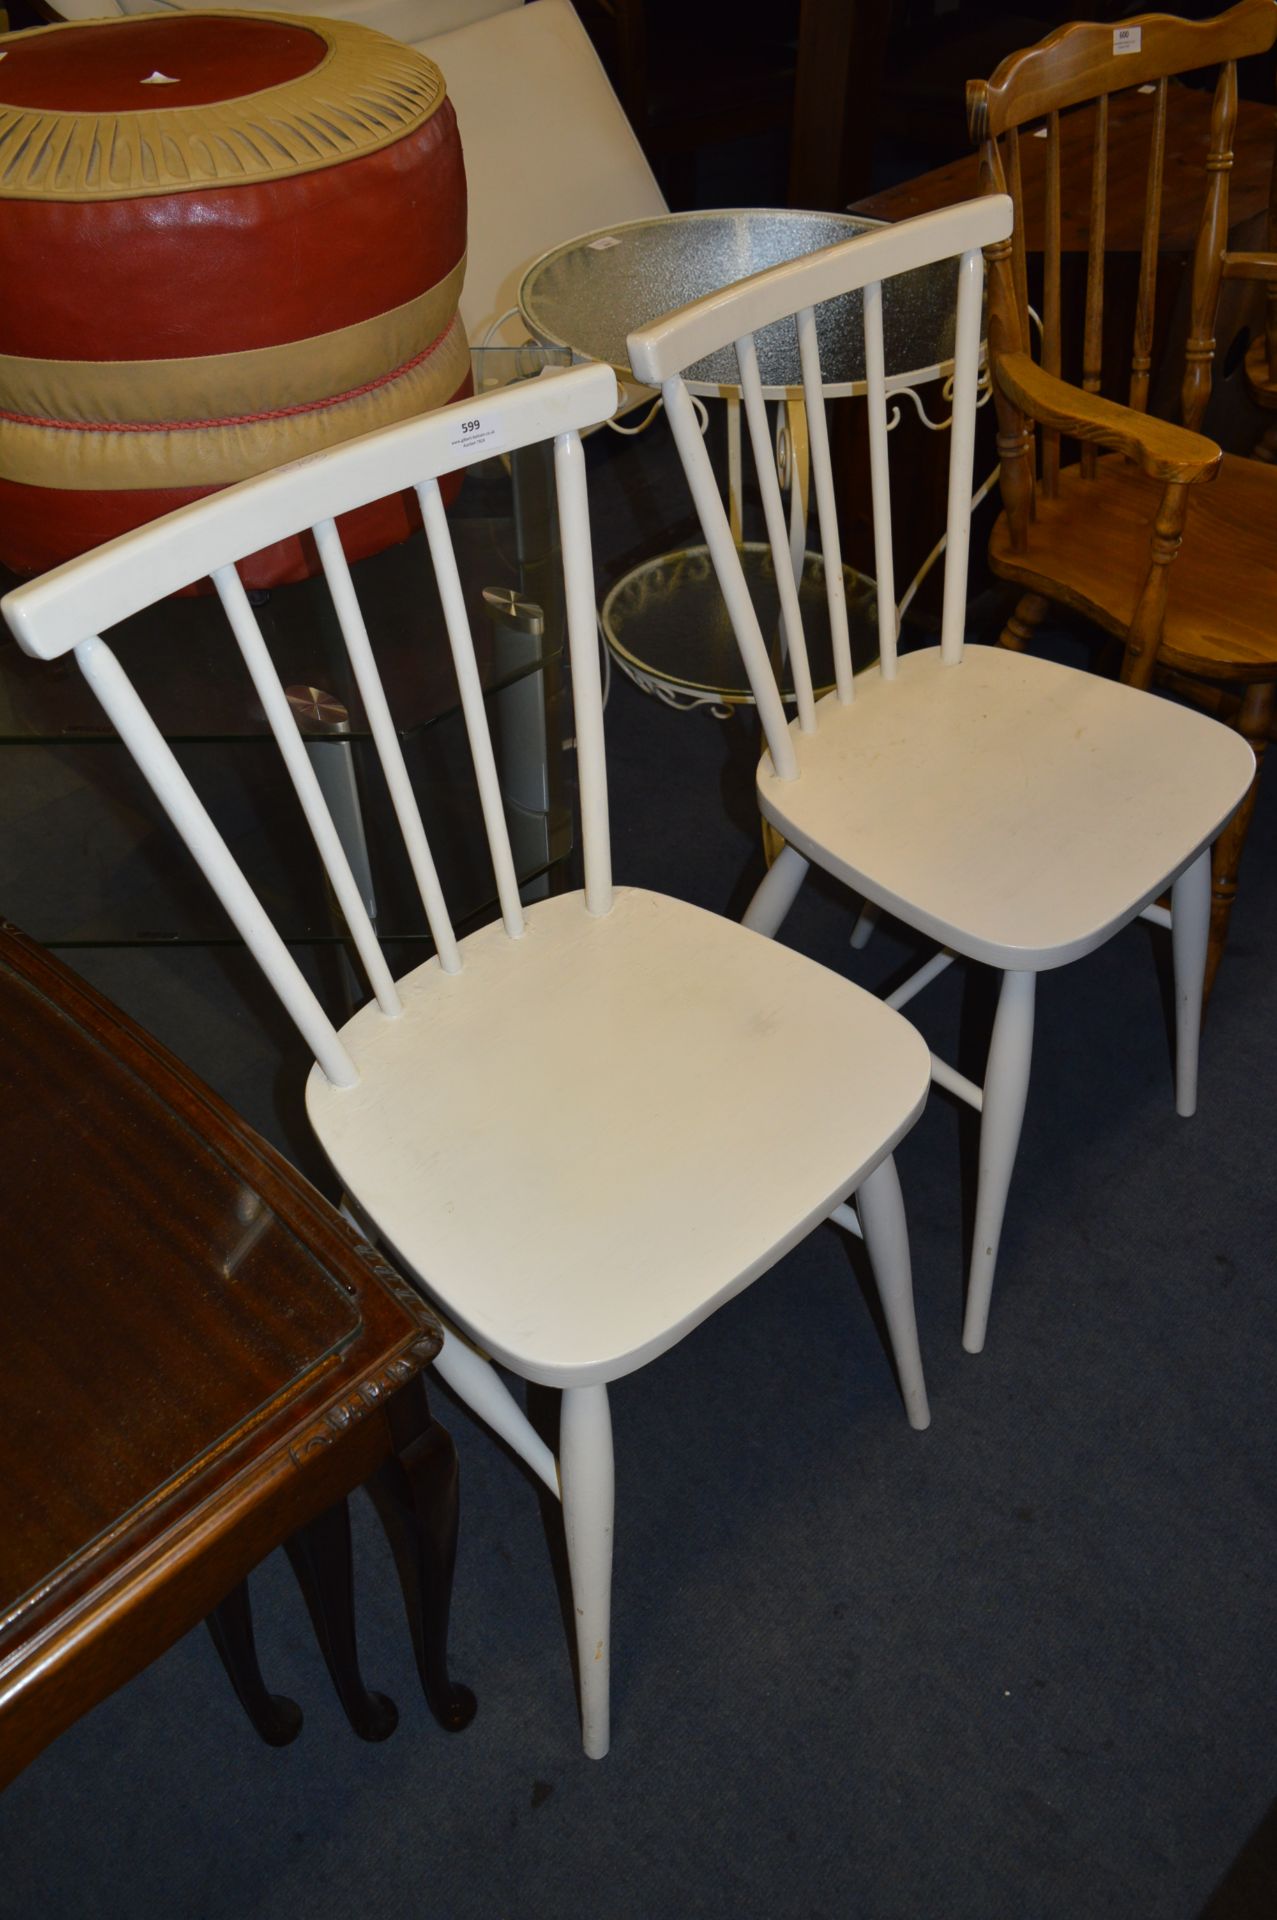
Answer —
1014 810
587 1125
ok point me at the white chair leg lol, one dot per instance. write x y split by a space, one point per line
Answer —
866 921
589 1499
776 893
1190 933
1006 1087
882 1219
476 1381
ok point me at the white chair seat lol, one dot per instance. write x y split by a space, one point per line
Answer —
1070 790
588 1139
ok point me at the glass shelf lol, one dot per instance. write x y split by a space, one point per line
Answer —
89 859
183 660
101 866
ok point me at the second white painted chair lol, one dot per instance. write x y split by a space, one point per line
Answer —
586 1126
1016 811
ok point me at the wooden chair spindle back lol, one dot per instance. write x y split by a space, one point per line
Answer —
1085 63
1142 346
1092 344
1270 295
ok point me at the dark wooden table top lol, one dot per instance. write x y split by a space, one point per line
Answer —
197 1350
1130 124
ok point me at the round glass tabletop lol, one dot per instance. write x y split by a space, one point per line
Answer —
590 293
667 625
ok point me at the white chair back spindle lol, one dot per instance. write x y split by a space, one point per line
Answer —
283 725
880 477
760 441
731 580
128 715
661 353
363 665
826 505
966 360
68 609
478 732
583 654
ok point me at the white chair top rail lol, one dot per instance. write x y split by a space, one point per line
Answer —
678 340
53 614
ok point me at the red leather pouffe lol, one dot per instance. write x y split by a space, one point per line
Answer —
226 240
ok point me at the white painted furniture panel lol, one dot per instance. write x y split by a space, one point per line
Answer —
549 152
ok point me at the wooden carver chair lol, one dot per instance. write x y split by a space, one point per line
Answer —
1181 571
558 1121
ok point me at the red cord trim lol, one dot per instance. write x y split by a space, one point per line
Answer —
230 419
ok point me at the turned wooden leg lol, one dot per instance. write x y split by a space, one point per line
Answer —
1030 611
416 1495
1253 723
276 1718
321 1558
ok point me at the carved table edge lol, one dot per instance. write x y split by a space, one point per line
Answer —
368 1397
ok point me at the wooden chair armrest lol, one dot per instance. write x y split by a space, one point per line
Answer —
1163 451
1250 266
